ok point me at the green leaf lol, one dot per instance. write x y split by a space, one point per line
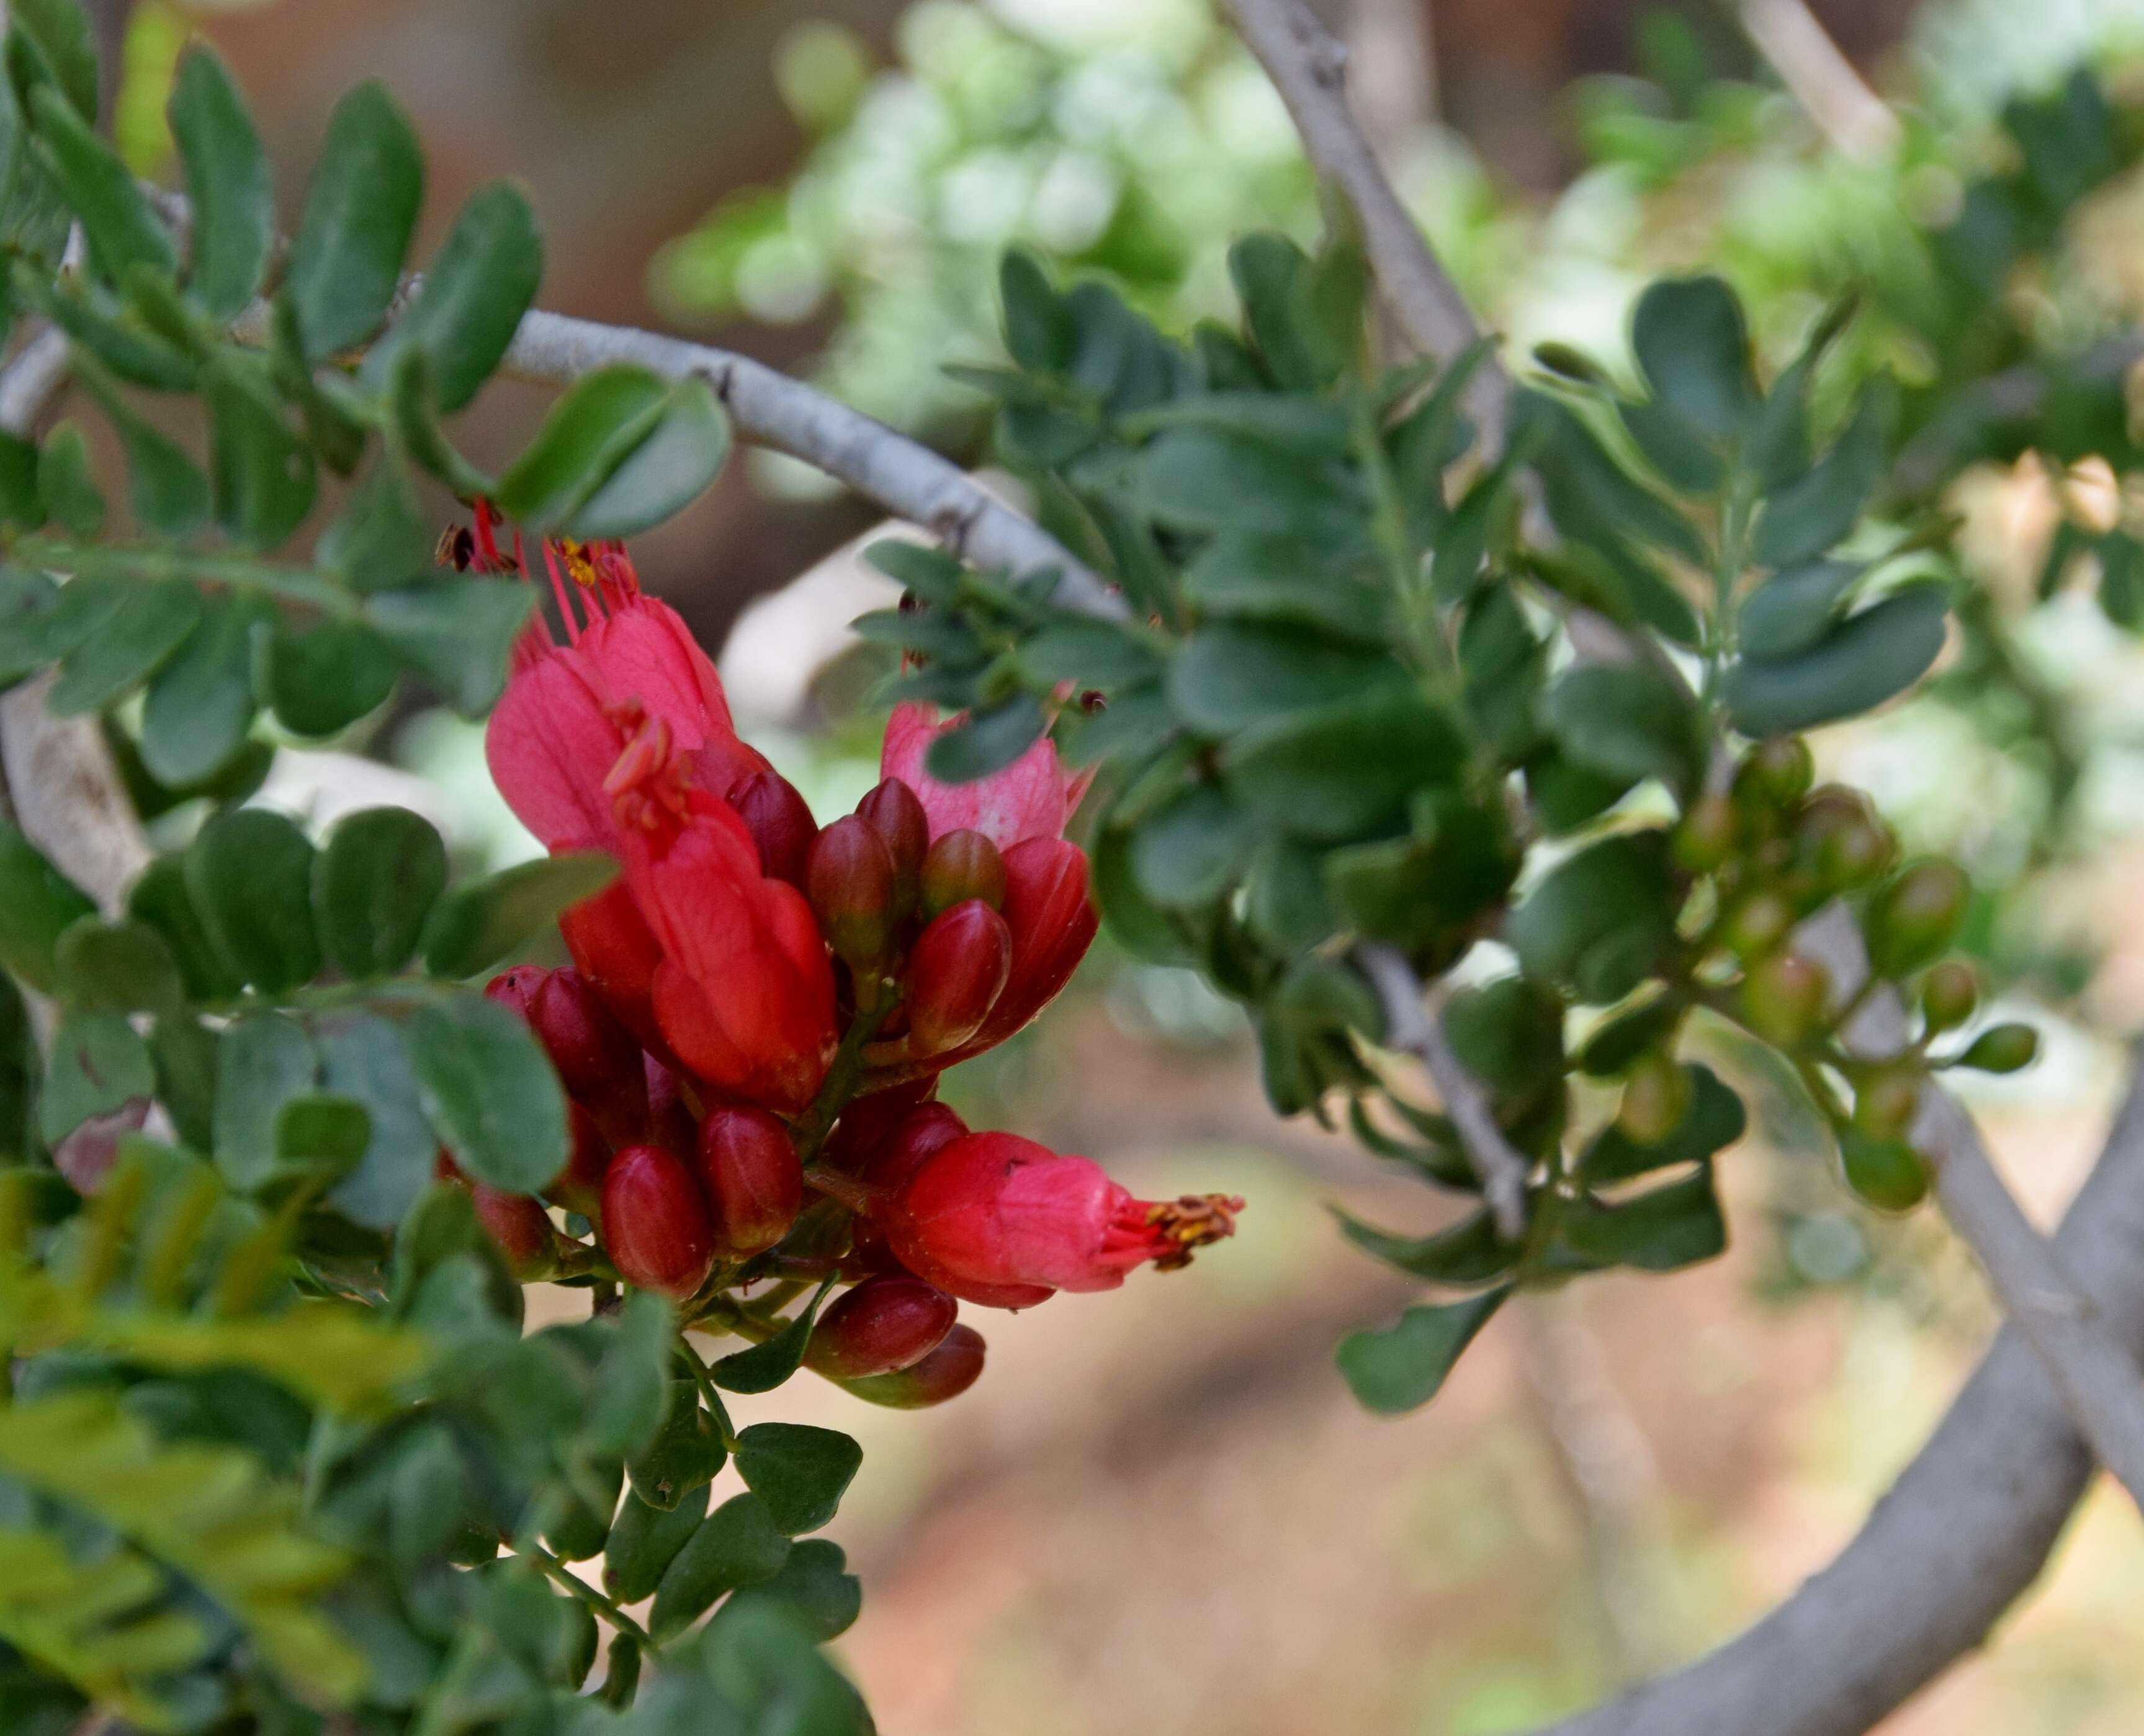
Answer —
490 1093
1803 520
59 32
1229 677
264 474
477 925
812 1590
116 221
1039 334
362 1059
321 1130
200 705
801 1472
1867 658
250 876
665 472
737 1544
20 503
1713 1121
1402 1368
1695 349
1791 612
1189 854
482 281
986 743
63 480
458 634
97 1064
765 1366
1275 579
115 967
1218 479
228 187
686 1453
321 679
1601 919
153 620
1339 772
165 488
38 904
1509 1034
160 899
1467 1252
262 1062
1673 448
1409 890
374 885
1630 720
360 211
1664 1230
1089 654
380 540
629 1391
645 1541
586 433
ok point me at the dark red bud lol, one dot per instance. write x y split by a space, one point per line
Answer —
598 1060
578 1187
884 1324
851 883
668 1114
655 1225
962 865
957 970
1053 924
919 1136
867 1123
780 822
754 1183
517 1223
946 1372
897 813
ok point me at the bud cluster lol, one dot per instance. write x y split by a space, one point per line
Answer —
759 1010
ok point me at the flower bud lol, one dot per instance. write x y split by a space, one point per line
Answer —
946 1372
1053 924
1949 993
655 1225
957 970
962 865
754 1183
1888 1174
1886 1100
781 823
597 1058
2001 1049
518 1225
578 1187
1777 772
895 812
1917 917
884 1324
1841 840
850 879
1656 1097
1760 924
867 1123
1705 839
1784 997
923 1131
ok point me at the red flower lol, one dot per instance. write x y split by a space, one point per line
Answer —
1033 797
999 1220
570 710
744 994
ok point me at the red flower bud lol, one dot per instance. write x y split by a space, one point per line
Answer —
962 865
654 1224
955 973
668 1114
597 1059
578 1187
753 1180
518 1224
851 883
946 1372
617 953
919 1135
867 1123
780 822
882 1325
897 813
1053 923
992 1214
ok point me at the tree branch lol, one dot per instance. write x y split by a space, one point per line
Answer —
1821 80
1962 1533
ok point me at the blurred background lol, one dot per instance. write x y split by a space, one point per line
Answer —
1160 1509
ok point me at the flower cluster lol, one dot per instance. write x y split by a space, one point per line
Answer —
759 1010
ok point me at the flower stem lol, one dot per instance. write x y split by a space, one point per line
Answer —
556 1570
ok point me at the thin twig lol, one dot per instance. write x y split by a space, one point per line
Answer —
1857 121
2098 1379
1413 1028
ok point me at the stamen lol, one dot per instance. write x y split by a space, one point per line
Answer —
558 591
1191 1221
